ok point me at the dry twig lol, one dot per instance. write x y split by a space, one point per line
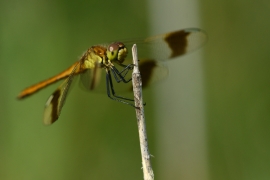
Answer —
138 98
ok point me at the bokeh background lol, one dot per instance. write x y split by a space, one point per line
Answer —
209 120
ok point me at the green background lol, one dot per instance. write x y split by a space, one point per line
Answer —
96 138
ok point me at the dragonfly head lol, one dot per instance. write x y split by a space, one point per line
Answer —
117 52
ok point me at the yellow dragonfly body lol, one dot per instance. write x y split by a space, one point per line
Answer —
109 59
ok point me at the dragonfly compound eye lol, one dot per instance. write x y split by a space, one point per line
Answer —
117 51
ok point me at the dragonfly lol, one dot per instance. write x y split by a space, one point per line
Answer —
116 63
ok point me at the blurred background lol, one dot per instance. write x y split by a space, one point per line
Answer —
208 120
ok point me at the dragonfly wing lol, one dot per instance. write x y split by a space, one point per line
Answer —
56 101
178 43
152 71
167 46
90 78
154 50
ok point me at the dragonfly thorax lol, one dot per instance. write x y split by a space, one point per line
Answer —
94 55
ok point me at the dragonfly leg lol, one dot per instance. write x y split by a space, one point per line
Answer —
110 90
119 77
126 68
124 72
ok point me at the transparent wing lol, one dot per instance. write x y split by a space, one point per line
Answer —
168 46
90 78
56 101
154 50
